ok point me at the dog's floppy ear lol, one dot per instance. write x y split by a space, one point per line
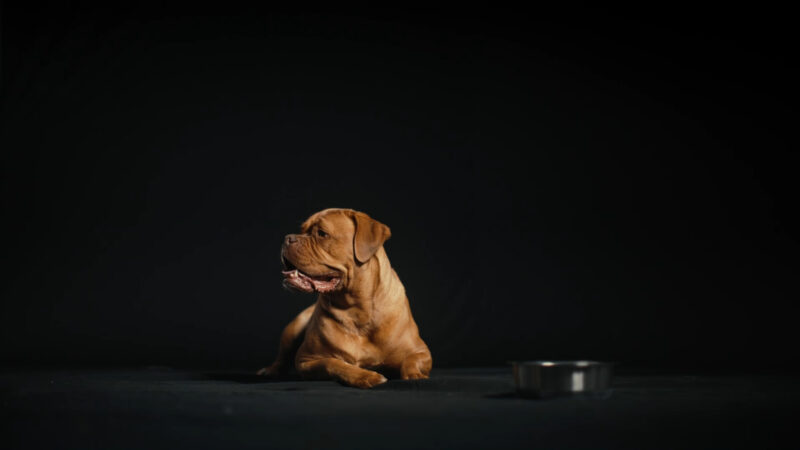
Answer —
370 235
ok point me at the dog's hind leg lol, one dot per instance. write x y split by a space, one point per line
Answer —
291 339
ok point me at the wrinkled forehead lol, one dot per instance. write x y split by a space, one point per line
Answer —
330 220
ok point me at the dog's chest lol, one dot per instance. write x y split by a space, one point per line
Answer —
369 356
358 339
361 350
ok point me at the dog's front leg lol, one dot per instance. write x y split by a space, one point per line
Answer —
340 371
291 339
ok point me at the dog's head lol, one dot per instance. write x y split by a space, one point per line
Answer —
331 249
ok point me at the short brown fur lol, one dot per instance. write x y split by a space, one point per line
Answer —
365 325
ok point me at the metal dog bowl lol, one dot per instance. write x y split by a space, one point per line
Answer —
542 379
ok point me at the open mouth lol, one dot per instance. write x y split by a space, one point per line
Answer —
304 282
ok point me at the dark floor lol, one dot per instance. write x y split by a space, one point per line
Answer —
161 407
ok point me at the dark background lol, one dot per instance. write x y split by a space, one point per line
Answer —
580 183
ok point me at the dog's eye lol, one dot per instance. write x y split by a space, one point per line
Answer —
321 233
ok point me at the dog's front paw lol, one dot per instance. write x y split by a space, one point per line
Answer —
273 370
367 380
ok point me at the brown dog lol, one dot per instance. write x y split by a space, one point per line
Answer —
361 321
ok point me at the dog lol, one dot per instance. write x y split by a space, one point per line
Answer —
360 327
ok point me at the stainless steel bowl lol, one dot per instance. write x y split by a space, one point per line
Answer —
542 379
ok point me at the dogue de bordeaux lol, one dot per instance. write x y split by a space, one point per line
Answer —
361 323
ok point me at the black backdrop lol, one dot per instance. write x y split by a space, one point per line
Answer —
560 184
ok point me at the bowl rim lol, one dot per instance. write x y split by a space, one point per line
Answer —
578 363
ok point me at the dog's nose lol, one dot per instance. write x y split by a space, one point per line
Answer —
290 239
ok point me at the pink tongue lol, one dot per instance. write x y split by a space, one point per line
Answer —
298 280
308 284
324 286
